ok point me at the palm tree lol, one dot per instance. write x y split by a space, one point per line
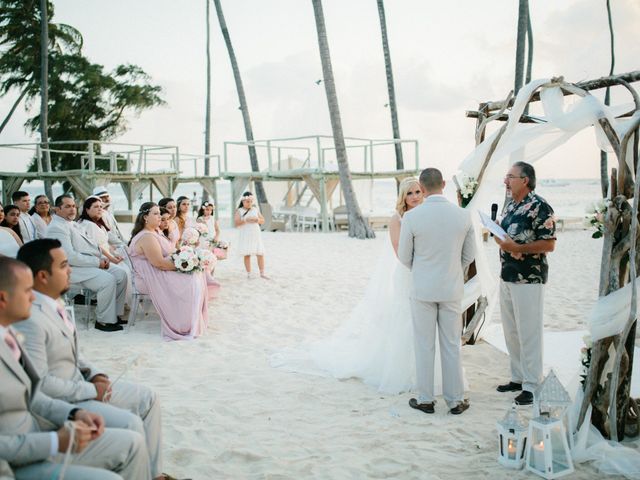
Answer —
390 86
604 167
44 92
253 157
523 16
20 44
358 227
207 115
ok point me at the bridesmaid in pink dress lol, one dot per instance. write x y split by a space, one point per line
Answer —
179 298
174 232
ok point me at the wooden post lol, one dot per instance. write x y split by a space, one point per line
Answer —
92 157
323 204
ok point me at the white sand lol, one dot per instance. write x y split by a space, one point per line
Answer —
228 414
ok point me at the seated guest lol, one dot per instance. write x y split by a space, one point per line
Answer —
163 229
90 268
183 220
9 240
92 221
52 345
173 231
205 215
180 299
31 424
11 221
115 236
28 229
41 214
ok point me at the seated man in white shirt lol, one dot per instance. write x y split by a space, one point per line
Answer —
90 268
35 430
51 341
28 229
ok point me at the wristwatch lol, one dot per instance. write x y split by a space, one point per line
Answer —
72 413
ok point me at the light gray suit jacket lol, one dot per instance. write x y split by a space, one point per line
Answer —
436 244
53 351
28 229
26 414
83 254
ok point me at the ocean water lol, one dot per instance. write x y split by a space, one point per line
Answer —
568 197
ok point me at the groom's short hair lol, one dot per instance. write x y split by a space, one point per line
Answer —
431 179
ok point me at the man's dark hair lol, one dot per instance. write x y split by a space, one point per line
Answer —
60 198
527 170
15 196
8 268
431 179
37 254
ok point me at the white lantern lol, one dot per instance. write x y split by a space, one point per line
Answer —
512 439
548 452
552 400
550 431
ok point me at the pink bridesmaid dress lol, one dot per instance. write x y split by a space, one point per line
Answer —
180 298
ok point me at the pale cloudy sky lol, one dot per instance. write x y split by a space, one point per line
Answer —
447 57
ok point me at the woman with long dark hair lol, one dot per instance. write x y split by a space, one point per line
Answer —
183 205
173 233
179 298
9 241
12 220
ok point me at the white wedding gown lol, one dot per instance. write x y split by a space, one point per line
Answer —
375 344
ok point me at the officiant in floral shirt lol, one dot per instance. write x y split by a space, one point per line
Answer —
530 226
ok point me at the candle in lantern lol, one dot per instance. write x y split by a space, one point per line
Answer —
511 449
538 456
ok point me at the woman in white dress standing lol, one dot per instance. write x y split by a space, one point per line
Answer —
375 343
248 220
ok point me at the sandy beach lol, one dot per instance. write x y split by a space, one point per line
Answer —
228 414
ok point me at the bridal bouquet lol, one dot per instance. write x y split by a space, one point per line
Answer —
190 237
205 233
206 258
186 260
468 189
220 250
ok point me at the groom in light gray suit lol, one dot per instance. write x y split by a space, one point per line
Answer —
436 244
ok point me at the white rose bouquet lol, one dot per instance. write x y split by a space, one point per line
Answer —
190 237
186 260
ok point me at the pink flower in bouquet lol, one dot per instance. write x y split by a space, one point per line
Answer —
190 236
206 258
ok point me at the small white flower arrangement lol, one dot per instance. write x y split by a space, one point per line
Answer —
595 216
585 359
468 186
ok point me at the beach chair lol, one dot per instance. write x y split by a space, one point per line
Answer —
89 296
271 223
307 218
137 297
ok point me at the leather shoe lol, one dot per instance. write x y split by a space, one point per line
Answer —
108 327
461 407
510 387
525 398
121 321
423 407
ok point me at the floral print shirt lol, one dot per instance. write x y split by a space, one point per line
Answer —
525 222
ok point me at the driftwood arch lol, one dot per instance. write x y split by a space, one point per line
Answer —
607 386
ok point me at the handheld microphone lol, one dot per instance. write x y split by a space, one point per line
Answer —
494 212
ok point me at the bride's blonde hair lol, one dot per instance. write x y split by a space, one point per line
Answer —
405 185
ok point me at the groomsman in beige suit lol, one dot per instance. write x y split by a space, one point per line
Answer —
436 244
91 269
52 344
28 229
33 439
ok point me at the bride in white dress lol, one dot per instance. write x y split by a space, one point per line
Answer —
376 343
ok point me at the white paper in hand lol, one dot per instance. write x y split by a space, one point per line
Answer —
492 226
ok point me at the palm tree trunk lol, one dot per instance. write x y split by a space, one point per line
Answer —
390 85
523 14
207 113
358 227
529 54
44 93
604 164
253 157
13 108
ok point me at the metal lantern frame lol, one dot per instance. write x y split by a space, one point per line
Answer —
548 453
512 439
552 400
